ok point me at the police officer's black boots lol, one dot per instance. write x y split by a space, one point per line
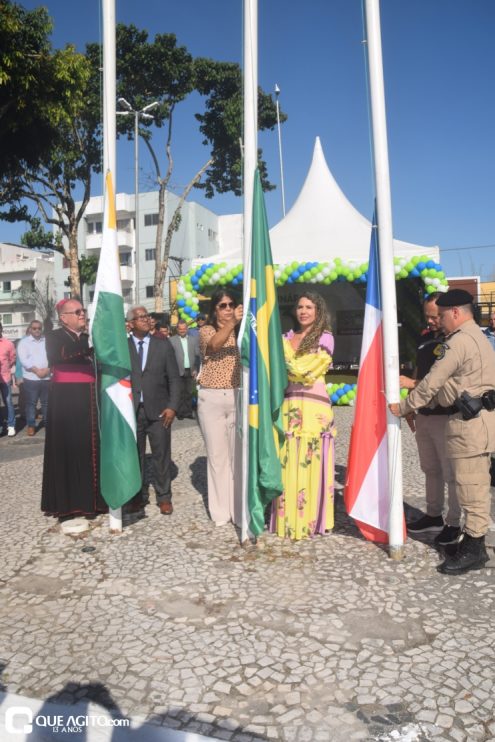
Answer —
470 554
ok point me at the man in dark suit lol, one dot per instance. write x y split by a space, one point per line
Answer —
156 391
186 348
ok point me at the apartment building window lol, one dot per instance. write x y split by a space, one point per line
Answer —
7 287
27 317
6 319
127 294
149 292
28 285
95 227
150 253
125 258
212 235
150 220
91 295
124 225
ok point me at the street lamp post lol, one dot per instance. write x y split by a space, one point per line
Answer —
282 187
143 113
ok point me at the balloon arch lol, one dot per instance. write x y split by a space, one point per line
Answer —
210 275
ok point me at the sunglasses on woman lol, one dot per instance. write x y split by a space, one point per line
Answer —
226 305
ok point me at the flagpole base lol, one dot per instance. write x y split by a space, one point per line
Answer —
115 521
396 552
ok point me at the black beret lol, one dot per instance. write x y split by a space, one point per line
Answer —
454 298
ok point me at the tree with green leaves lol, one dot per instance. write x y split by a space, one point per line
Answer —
161 70
38 237
68 97
29 91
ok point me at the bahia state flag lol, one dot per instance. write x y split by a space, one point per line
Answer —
263 353
120 476
366 493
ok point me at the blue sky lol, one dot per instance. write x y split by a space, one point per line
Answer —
439 68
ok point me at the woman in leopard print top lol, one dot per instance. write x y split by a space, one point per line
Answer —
219 382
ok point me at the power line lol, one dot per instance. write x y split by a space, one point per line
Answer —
467 247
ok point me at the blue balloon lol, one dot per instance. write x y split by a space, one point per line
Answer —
430 264
290 279
340 393
420 266
347 388
334 398
188 310
181 303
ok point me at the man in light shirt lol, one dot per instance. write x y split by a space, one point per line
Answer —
35 374
186 348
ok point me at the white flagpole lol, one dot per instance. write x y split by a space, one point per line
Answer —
109 142
387 274
250 151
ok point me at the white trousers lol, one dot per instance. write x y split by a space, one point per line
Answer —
217 416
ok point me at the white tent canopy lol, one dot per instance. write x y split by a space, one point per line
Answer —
321 225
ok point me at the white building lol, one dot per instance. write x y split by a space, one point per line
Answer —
197 236
22 268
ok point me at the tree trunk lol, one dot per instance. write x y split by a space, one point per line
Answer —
74 277
157 287
161 261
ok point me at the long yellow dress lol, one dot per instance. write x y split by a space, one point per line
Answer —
305 506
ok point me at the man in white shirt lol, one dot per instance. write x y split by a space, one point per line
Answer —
186 348
35 373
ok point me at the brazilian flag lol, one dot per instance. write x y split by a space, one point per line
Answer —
263 353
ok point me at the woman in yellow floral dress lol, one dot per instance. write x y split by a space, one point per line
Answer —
305 506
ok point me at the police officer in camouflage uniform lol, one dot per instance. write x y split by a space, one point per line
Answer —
463 380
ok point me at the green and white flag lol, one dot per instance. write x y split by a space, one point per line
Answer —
120 476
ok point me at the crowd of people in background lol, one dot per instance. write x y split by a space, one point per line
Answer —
449 408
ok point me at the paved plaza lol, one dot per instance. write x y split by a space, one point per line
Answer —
174 623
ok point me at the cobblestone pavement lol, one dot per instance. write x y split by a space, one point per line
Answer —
326 639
